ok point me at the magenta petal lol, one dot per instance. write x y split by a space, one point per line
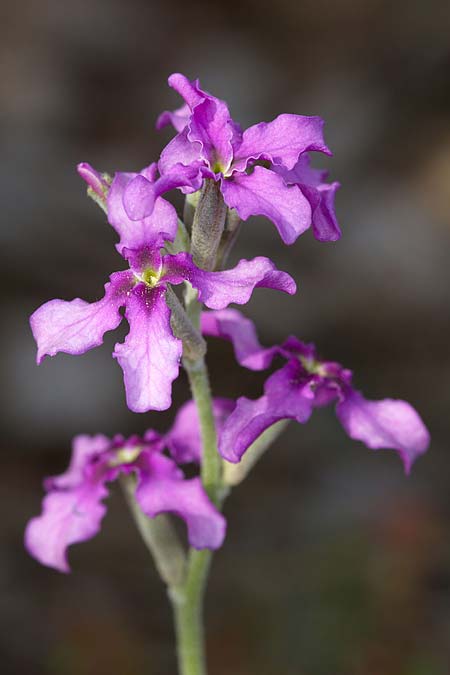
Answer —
154 229
150 355
218 289
281 141
189 91
319 194
178 118
232 325
324 221
84 449
68 516
287 396
384 424
211 125
93 178
180 150
183 440
163 489
263 192
75 327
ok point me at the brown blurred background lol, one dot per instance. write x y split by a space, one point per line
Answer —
335 563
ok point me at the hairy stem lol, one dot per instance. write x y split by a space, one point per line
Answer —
187 603
201 393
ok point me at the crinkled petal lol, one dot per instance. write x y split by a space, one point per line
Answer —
84 449
75 327
384 424
183 440
156 228
324 221
218 289
68 516
177 118
287 396
211 125
189 91
140 196
281 141
263 192
180 150
232 325
163 489
319 194
150 355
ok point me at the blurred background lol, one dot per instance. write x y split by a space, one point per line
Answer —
335 563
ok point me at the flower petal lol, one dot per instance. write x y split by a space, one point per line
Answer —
140 196
265 193
68 516
388 423
319 194
178 118
93 178
232 325
287 396
218 289
150 355
162 488
75 327
183 440
180 150
84 449
281 141
211 125
145 229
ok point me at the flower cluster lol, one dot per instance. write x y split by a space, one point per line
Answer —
230 174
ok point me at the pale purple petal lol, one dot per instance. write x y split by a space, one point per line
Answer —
140 196
288 395
162 488
281 141
263 192
183 440
232 325
93 178
75 327
150 355
68 516
218 289
384 424
154 229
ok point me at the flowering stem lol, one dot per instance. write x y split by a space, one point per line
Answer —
187 602
201 393
159 536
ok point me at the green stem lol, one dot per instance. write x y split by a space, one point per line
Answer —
201 393
187 602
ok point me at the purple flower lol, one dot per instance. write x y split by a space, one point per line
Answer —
150 355
305 383
73 507
214 146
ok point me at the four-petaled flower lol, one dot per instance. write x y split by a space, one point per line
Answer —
73 507
210 144
150 354
302 384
